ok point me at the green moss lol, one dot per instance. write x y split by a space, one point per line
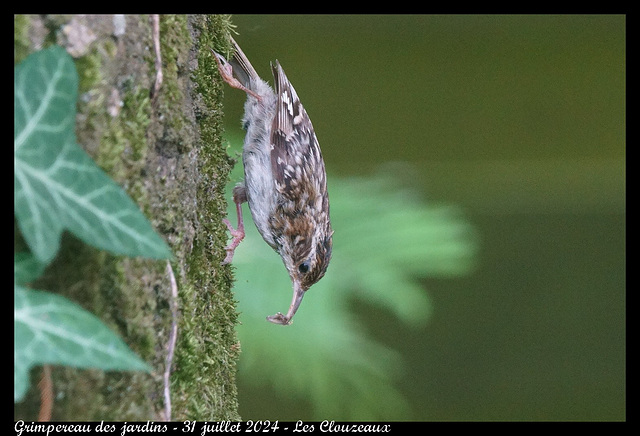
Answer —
208 350
20 37
124 143
89 66
174 45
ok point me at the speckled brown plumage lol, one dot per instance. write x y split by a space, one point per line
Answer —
285 181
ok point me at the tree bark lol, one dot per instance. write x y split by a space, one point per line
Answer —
165 149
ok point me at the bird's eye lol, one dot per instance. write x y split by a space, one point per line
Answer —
303 267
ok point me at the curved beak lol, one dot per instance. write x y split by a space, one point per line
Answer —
279 318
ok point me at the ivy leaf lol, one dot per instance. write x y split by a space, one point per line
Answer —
56 184
49 328
26 268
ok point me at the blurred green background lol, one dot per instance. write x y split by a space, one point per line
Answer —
516 122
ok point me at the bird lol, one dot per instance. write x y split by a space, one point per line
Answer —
285 181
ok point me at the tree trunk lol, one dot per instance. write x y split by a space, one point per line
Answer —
165 149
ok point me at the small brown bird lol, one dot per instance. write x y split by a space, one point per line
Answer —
285 182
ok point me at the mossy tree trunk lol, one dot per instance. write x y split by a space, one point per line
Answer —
166 150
